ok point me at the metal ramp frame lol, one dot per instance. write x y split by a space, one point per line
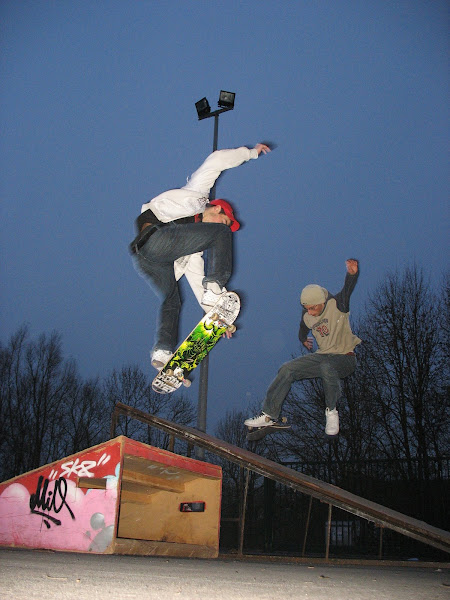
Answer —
333 495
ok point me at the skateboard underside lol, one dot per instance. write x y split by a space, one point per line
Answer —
197 345
258 433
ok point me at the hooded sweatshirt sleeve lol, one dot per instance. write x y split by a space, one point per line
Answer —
343 297
192 198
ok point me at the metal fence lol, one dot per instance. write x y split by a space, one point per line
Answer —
279 520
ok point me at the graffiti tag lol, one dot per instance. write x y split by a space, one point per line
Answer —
50 501
79 468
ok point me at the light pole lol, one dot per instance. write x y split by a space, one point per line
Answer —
226 103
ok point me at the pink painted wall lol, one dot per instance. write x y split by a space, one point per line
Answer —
45 509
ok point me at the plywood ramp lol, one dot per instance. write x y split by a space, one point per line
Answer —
120 497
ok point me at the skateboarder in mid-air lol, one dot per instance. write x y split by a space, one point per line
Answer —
179 223
327 317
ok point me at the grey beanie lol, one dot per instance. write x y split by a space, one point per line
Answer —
313 294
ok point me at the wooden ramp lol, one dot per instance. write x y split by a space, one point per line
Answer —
333 495
120 497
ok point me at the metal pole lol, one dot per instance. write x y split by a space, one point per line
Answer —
204 365
307 525
243 514
380 545
327 551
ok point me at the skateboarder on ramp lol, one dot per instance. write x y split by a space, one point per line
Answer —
327 317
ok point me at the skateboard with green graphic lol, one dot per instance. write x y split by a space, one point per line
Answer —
198 344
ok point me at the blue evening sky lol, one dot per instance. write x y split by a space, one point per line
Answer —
97 117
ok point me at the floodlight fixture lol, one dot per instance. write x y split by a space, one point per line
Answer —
203 108
226 99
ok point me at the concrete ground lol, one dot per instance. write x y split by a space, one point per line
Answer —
32 574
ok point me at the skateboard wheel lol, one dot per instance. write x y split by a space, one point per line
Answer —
214 317
169 372
187 382
231 328
284 419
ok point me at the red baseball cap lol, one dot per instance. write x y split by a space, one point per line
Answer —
226 207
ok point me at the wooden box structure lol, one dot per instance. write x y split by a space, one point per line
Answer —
120 497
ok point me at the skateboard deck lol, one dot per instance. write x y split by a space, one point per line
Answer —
198 344
258 433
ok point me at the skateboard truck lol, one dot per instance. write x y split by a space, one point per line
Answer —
179 374
220 322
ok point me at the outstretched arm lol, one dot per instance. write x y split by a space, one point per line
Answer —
205 176
343 297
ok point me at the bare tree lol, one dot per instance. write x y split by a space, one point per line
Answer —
130 386
404 343
47 411
84 422
231 429
36 383
15 418
444 299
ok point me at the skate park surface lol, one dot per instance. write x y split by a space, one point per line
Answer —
33 574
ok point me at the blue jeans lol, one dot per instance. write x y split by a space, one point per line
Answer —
155 261
331 368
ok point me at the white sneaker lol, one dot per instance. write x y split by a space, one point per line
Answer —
261 420
332 426
211 295
160 358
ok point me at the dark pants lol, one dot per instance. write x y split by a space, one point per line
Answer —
331 368
155 261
